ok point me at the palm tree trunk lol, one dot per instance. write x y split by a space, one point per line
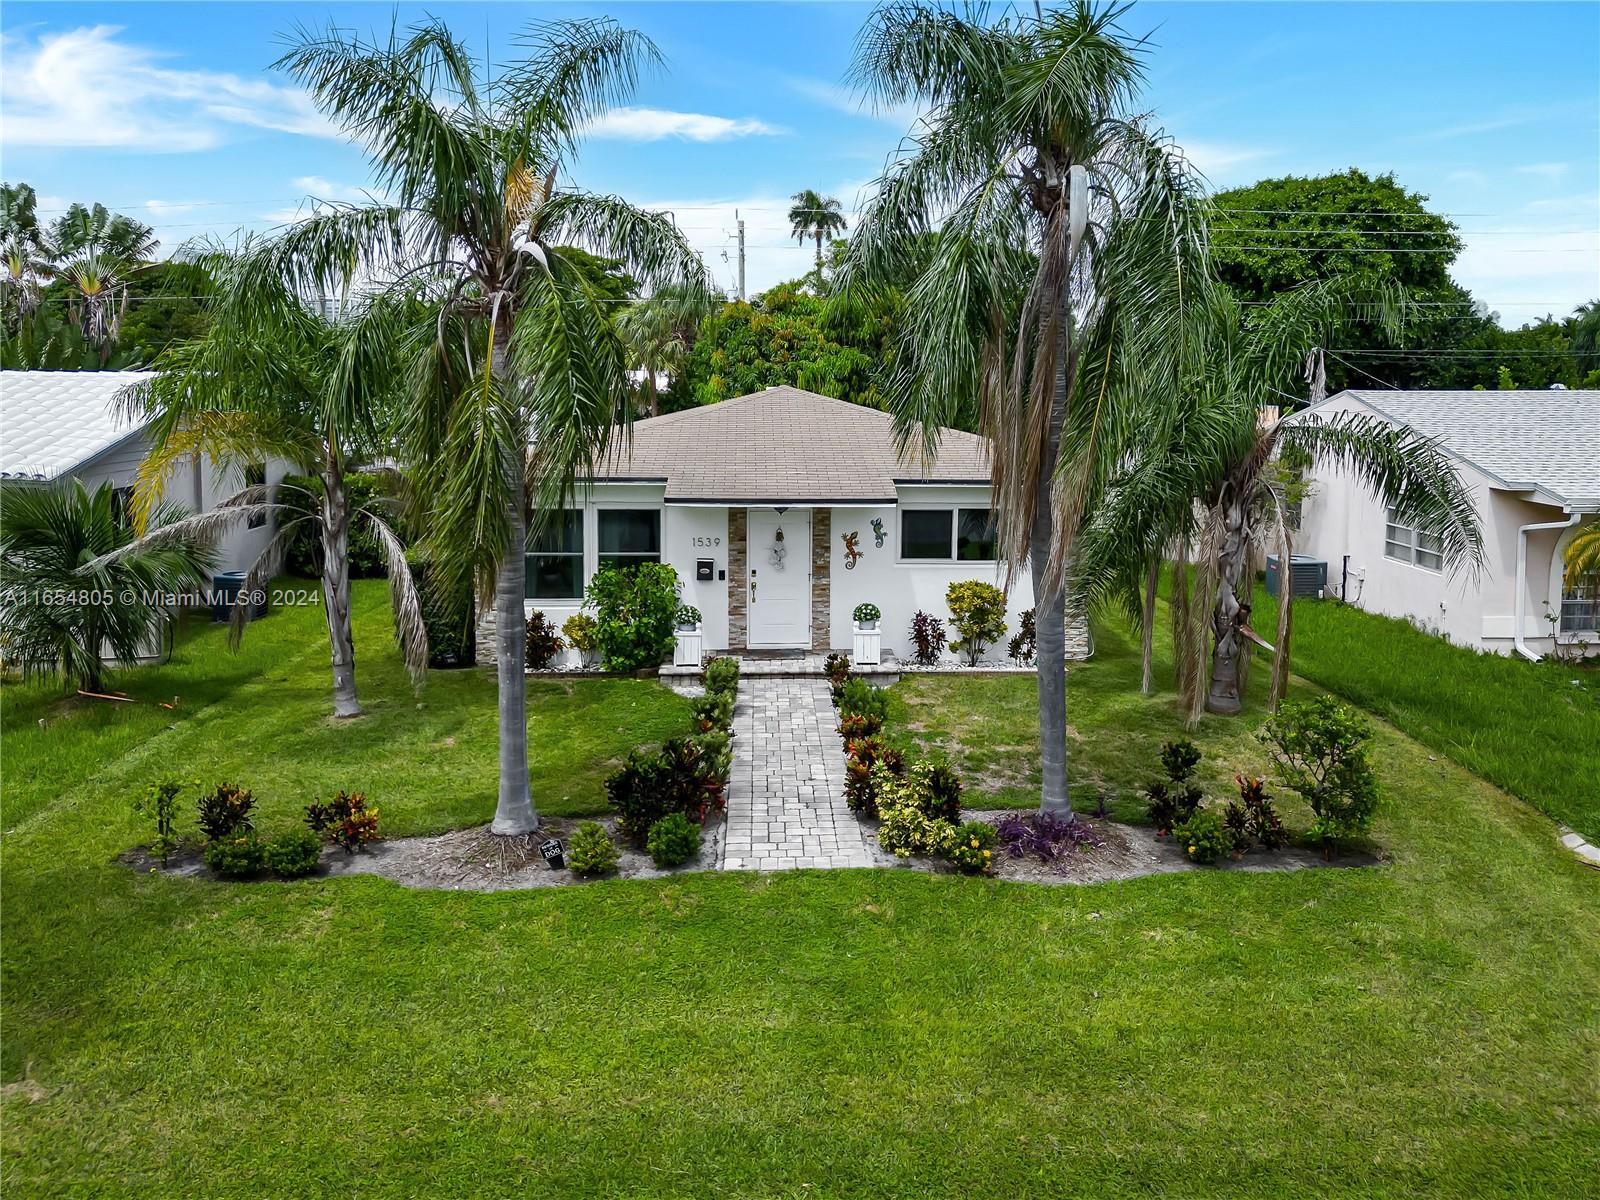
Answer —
1050 613
1181 655
1147 648
1280 644
819 260
650 389
513 813
336 593
1227 612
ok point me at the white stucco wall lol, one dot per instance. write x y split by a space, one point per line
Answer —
1341 517
900 588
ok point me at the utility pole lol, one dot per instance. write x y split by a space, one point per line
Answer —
739 221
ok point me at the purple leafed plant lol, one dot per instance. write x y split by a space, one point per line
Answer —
1043 835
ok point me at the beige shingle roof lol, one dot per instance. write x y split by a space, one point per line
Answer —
785 444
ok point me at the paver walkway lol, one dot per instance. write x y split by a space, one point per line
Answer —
786 804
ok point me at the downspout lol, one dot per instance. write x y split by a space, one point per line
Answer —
1520 608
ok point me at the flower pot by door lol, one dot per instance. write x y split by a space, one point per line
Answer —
868 648
689 647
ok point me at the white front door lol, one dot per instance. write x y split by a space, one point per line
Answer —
780 578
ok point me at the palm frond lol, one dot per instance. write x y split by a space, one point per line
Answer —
410 630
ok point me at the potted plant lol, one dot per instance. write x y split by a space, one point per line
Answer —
868 637
583 635
688 646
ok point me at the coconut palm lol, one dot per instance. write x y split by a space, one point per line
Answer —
1065 234
506 346
68 607
658 333
273 378
815 216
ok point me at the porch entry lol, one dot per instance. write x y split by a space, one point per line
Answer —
780 578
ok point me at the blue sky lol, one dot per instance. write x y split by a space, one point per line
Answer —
171 113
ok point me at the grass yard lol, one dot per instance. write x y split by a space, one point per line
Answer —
1532 728
1427 1028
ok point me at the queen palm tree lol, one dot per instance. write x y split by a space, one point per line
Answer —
505 344
273 378
1065 234
71 602
1208 473
815 216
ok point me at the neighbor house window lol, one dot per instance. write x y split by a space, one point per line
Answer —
1580 604
1411 545
255 475
554 562
630 536
946 534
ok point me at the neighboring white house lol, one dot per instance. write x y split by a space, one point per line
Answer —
61 425
1532 462
781 511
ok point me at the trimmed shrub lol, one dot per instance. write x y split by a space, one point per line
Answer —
1320 749
1203 837
590 851
687 616
1024 645
932 788
224 811
345 819
861 699
864 612
714 710
237 855
927 639
978 613
673 840
905 831
682 777
635 609
972 851
293 853
722 675
544 643
302 495
1173 802
160 804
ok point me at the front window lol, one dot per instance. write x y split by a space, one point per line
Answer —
945 534
1412 545
629 536
1580 603
554 561
925 533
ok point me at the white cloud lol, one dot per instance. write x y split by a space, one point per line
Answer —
1216 160
87 88
846 100
653 124
1553 171
1471 178
318 193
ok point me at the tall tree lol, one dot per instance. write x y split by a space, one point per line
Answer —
510 347
815 216
1065 234
658 334
94 251
26 250
273 377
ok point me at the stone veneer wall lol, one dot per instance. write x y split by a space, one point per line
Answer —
821 579
485 633
738 578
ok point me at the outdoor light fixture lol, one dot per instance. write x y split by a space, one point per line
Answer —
555 854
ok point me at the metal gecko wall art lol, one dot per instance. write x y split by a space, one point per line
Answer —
878 533
852 552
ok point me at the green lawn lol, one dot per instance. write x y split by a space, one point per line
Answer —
1427 1028
1532 728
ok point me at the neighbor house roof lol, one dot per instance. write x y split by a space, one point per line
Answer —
52 422
785 445
1529 441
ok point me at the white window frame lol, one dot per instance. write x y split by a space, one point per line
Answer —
1407 544
955 509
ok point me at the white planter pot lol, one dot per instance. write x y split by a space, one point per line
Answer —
868 648
689 648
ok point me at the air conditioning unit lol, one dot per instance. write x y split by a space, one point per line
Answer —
1307 576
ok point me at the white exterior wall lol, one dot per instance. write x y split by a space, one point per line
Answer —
900 588
1341 516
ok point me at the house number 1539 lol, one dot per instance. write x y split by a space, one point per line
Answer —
707 541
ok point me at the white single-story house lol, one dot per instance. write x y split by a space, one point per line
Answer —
1532 462
781 511
61 425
